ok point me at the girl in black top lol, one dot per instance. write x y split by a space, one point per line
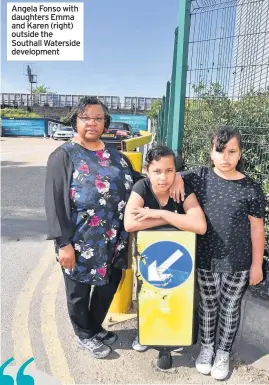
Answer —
150 206
230 254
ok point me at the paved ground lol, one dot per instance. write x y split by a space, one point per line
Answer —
33 314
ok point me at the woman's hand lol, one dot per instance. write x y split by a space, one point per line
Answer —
67 257
177 191
142 213
255 274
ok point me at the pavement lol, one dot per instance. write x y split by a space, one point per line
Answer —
33 307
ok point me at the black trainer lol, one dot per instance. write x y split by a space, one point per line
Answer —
107 337
164 360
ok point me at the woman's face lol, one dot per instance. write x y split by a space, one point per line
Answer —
91 123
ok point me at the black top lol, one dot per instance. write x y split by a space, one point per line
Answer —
59 175
226 247
143 188
85 195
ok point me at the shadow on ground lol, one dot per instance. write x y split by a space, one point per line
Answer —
242 353
22 204
8 163
20 228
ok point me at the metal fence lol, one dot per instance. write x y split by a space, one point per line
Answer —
228 81
226 70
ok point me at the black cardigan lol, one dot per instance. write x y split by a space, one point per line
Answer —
59 175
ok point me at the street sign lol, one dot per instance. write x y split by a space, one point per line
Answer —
166 264
166 286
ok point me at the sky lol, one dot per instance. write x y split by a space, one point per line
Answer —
128 51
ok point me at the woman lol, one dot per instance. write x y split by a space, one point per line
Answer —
87 186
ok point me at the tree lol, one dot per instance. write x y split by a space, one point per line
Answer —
153 112
42 89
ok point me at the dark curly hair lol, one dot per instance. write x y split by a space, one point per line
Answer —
157 152
80 108
221 137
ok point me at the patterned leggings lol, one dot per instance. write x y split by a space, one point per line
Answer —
220 300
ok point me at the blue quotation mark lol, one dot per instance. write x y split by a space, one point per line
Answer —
21 378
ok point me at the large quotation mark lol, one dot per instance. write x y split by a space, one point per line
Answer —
21 378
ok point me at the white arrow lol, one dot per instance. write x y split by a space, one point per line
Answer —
157 274
154 274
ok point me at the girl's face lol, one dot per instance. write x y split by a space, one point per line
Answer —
227 160
162 173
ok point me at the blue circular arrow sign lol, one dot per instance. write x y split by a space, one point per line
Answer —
168 264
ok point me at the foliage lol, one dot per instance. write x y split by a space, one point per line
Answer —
41 89
210 106
153 112
18 113
251 113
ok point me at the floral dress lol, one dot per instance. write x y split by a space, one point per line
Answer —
99 186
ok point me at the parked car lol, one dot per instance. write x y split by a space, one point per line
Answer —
63 133
117 132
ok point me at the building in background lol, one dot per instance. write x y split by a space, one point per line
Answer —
228 47
130 103
250 48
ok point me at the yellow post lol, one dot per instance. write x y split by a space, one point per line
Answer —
122 301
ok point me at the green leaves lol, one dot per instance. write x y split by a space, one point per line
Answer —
153 112
18 113
208 107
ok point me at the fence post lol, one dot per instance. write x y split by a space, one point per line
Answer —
160 121
172 95
158 130
166 111
180 77
163 115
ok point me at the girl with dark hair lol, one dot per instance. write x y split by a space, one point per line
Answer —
87 186
150 206
230 254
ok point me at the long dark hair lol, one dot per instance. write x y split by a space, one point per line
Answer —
80 108
221 137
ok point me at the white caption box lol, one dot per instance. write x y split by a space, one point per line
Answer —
45 31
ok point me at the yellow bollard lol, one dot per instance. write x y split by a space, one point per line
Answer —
122 301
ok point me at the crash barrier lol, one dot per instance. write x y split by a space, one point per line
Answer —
165 260
132 143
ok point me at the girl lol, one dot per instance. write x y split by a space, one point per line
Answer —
230 254
150 204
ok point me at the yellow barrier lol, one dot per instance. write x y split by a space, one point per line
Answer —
122 301
131 144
